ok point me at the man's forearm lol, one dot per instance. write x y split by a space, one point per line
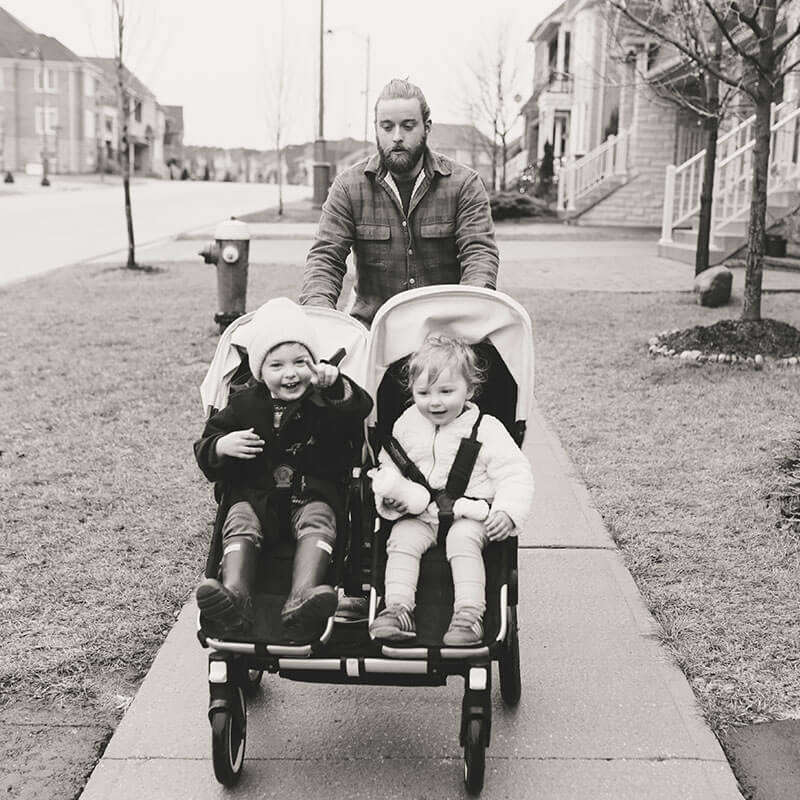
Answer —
325 266
477 248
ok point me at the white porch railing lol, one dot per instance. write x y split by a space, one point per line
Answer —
579 176
733 173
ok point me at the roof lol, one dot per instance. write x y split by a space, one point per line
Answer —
109 67
19 41
445 136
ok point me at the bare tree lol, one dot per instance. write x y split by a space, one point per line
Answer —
277 102
754 36
490 91
124 110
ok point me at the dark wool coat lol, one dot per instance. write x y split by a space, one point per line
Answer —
320 435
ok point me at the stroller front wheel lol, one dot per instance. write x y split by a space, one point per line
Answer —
474 755
253 681
228 737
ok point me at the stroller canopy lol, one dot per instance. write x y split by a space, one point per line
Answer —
334 328
464 312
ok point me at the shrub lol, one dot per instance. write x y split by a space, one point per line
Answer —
514 205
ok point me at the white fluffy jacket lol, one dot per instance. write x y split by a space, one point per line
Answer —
502 474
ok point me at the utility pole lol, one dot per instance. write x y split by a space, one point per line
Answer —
322 169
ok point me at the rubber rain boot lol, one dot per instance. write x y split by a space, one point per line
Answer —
310 602
229 604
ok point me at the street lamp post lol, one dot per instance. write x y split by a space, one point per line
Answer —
38 52
322 169
45 161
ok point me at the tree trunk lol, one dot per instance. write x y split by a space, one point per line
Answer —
504 156
280 182
126 182
754 262
711 91
707 196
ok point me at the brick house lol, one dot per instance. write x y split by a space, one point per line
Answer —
47 100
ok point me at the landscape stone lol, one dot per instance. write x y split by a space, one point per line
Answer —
713 286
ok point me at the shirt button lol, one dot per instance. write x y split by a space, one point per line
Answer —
411 281
405 224
410 251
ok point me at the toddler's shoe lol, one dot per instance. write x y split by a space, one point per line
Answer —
466 628
395 623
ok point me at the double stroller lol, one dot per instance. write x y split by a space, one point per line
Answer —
500 331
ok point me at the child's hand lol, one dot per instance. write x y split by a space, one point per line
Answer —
322 375
397 505
240 444
499 526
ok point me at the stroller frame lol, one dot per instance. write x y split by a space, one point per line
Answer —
344 652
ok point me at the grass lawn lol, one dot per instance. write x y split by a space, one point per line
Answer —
106 517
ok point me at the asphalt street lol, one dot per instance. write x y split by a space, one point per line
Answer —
71 221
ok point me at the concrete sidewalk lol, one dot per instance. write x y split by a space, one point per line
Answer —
604 714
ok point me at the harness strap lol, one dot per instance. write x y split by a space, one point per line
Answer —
457 478
407 467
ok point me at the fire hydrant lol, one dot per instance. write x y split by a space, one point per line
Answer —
230 252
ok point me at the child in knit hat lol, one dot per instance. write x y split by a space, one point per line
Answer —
279 447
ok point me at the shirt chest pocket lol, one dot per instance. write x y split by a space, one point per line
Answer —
373 245
438 243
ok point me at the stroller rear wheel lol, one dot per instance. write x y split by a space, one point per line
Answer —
508 663
228 737
474 755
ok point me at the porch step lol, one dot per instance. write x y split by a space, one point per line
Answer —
599 193
686 252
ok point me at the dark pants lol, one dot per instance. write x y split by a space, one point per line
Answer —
313 518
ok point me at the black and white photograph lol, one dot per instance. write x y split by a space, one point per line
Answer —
400 400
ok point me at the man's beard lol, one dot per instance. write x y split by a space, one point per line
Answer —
402 160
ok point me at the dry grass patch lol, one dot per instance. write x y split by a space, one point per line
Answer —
106 516
680 460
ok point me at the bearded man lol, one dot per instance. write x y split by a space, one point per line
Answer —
411 216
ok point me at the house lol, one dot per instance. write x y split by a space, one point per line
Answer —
147 119
47 103
613 134
465 144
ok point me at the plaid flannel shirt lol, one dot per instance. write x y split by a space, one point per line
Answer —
447 237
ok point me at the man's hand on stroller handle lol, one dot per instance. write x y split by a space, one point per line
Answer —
499 526
240 444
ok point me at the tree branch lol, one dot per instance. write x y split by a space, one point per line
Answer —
698 58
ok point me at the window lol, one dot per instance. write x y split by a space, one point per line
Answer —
50 80
137 111
52 120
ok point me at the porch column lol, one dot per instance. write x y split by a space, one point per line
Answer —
561 51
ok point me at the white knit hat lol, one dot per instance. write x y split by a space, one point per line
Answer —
279 320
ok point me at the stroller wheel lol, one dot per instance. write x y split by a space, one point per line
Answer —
474 755
508 663
228 737
253 681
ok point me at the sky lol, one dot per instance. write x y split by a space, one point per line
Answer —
222 61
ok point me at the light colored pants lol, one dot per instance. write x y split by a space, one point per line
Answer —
411 538
313 518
